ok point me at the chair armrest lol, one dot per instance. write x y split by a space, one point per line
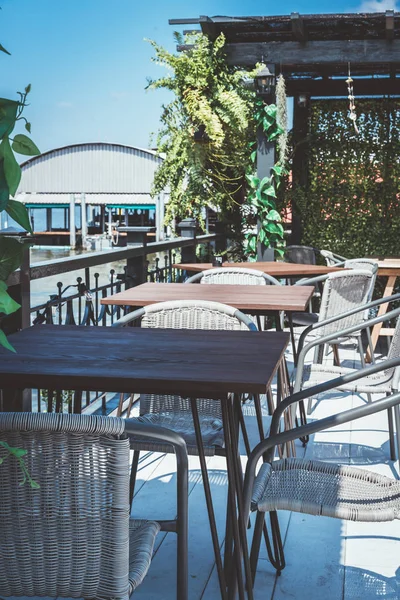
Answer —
194 278
303 351
269 444
132 316
311 280
348 313
132 428
271 279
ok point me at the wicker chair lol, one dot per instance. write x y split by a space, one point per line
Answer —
332 259
234 276
305 255
343 290
315 487
385 382
73 536
182 414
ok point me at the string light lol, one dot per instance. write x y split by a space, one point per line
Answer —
352 106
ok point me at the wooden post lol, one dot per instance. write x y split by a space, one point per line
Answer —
49 216
265 162
301 119
72 230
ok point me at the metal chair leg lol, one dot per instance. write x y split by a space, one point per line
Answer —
397 422
391 435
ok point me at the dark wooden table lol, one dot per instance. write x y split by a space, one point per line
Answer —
191 363
255 299
277 269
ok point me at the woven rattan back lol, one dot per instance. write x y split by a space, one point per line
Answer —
344 291
300 254
189 314
364 264
69 537
235 276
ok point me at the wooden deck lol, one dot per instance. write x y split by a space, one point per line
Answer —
327 559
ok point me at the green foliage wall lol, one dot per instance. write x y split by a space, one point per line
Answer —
352 203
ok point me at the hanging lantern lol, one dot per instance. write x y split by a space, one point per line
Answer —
265 82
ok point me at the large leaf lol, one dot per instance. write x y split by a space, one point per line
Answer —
11 251
7 304
273 227
19 213
24 145
273 215
12 170
269 191
4 342
264 182
8 115
4 191
253 181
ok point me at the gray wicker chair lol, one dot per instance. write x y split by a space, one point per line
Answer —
343 290
315 487
234 276
69 534
198 421
385 382
305 255
332 259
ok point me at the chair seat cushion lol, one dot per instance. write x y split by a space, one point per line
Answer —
319 488
182 423
379 383
142 535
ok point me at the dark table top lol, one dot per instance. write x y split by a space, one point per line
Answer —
257 298
192 362
277 269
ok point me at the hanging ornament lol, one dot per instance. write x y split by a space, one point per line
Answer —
352 106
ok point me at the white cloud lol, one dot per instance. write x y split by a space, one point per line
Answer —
64 104
378 5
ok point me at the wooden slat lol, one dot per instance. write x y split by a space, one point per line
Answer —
277 269
262 298
367 51
192 362
298 27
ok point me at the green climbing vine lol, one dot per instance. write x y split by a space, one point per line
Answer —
207 138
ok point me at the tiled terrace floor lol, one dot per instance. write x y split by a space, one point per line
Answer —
327 559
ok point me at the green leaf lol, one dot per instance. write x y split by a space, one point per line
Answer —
271 110
263 236
28 88
28 127
7 304
18 452
19 213
273 227
280 251
269 191
12 170
273 215
24 145
252 242
2 49
264 182
11 252
253 181
253 156
278 170
34 484
8 115
4 341
4 191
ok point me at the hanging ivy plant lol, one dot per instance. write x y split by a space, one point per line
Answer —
208 143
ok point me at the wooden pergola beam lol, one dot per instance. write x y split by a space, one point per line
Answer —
337 87
314 52
298 27
389 25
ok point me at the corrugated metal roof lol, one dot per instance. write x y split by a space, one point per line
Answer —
96 168
97 199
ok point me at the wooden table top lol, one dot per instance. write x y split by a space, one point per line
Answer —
389 267
262 298
277 269
139 360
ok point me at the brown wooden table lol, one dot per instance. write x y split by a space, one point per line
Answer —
277 269
191 363
390 268
255 299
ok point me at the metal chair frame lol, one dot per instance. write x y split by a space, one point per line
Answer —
266 449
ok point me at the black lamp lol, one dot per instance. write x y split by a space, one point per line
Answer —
265 82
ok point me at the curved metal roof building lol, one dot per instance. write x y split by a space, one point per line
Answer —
111 174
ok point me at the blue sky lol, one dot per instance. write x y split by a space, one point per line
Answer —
88 62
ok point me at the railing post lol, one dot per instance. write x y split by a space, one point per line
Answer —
187 229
